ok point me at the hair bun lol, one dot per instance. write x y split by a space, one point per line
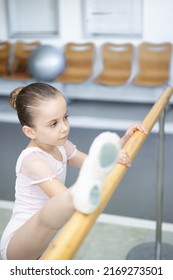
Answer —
13 96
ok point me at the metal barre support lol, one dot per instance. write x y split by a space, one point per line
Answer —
157 250
160 183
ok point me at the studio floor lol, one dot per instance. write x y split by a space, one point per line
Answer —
112 237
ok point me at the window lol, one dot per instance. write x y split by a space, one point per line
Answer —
32 18
113 18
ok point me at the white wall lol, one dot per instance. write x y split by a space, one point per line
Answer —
158 20
157 23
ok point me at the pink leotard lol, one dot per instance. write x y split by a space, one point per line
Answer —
33 167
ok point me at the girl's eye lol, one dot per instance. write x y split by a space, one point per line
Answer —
66 117
54 124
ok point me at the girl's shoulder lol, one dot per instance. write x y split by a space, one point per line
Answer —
31 150
30 155
36 165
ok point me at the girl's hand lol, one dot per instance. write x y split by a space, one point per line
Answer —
131 130
124 159
136 127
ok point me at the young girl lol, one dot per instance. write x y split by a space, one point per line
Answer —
42 202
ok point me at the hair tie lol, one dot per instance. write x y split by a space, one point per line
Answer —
13 96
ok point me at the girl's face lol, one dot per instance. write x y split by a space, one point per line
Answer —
51 123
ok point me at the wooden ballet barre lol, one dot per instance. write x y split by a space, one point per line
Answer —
73 233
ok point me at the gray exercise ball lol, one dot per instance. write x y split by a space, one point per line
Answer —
46 63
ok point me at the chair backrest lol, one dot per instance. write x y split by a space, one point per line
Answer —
154 61
21 53
79 56
117 57
4 57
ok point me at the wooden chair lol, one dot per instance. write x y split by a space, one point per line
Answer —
154 64
117 61
4 57
79 62
21 53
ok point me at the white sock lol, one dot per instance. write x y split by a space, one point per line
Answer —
102 157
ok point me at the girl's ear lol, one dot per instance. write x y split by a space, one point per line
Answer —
29 132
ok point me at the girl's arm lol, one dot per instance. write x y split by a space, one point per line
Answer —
78 159
54 187
124 158
132 129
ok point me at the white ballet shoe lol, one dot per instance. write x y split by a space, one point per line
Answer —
102 157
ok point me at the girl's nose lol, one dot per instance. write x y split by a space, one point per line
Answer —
64 127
